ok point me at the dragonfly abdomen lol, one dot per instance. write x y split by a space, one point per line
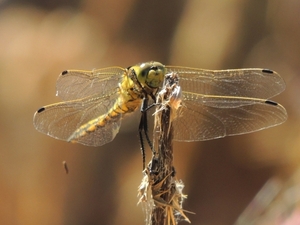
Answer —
116 112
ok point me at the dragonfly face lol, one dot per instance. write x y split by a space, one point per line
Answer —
150 75
213 103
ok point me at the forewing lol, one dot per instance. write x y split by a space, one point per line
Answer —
209 117
75 84
60 120
251 83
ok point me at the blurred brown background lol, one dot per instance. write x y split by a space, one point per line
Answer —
38 40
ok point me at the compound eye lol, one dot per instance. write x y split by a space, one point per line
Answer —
153 68
144 72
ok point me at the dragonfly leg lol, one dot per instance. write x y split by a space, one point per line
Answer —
143 127
142 142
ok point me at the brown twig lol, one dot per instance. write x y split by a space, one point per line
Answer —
166 191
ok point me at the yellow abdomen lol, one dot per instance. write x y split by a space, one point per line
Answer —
127 102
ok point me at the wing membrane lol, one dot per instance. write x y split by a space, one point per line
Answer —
208 117
60 120
75 84
251 83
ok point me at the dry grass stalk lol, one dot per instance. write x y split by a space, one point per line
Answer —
166 191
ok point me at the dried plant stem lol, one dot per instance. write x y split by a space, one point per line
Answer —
163 187
159 178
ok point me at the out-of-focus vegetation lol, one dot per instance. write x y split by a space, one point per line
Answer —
38 41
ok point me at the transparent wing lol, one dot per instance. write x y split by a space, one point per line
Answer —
60 120
204 117
75 84
251 83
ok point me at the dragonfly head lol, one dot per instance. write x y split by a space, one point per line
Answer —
150 74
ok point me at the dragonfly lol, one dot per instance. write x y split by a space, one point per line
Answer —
214 103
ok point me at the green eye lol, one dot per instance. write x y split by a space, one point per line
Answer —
144 73
150 74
